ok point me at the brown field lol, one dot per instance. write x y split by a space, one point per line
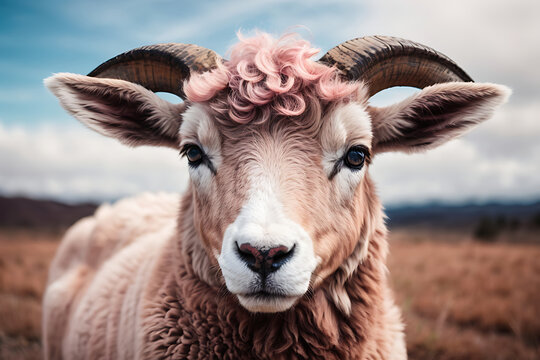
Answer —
461 299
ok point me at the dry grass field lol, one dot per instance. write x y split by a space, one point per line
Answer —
467 300
24 262
461 299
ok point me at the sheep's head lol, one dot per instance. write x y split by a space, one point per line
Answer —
279 145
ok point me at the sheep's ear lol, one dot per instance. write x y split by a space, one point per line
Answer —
119 109
433 116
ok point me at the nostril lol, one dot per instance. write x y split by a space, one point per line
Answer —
250 255
278 256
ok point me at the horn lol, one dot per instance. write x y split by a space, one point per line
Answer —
161 67
384 61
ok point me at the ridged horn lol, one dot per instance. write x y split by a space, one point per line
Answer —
161 67
384 61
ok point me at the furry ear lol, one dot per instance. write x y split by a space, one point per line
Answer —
435 115
119 109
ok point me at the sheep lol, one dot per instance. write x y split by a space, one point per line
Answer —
277 249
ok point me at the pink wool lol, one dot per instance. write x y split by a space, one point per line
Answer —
267 76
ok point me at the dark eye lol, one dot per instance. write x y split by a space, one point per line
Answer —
355 157
194 155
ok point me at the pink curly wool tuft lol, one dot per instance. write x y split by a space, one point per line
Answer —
267 76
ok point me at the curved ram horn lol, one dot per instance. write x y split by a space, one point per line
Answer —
384 61
161 67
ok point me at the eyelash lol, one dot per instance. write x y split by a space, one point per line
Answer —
187 147
342 161
205 160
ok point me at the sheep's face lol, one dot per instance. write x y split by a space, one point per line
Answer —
278 205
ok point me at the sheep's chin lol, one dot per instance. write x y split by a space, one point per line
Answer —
267 304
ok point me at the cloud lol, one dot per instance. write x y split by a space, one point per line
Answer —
498 160
77 164
493 40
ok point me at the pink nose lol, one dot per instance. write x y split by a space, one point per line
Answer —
264 261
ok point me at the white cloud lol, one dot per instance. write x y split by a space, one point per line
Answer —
76 164
493 40
500 159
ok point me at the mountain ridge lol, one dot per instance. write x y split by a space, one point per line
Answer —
24 212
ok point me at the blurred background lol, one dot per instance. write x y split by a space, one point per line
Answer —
465 218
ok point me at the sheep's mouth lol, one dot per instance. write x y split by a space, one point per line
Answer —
267 295
266 302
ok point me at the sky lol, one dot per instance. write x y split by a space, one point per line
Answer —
46 153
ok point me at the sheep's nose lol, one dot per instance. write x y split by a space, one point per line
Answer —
264 261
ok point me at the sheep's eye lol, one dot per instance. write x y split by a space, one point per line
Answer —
194 155
355 157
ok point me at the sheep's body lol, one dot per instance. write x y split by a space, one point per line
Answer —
119 288
98 275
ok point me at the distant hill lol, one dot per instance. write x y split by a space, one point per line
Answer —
461 216
20 212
